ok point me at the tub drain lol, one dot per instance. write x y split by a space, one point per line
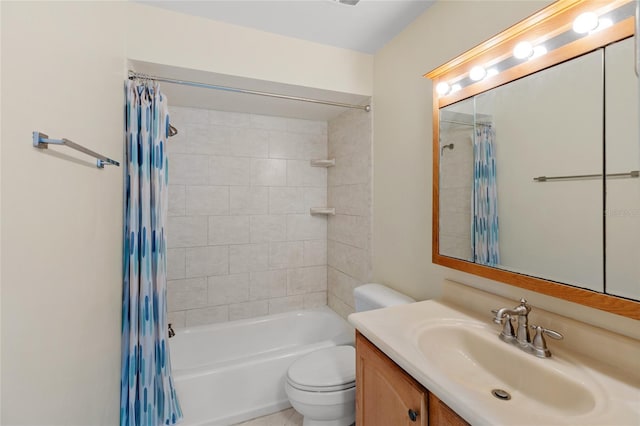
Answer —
501 394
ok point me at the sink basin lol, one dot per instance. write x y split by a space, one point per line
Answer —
457 355
474 358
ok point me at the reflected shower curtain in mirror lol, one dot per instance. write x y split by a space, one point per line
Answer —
484 224
148 394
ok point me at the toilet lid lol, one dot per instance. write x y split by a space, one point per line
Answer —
324 370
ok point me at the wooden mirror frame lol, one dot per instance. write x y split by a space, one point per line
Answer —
543 25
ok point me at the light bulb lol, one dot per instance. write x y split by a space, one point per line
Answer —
585 22
491 72
523 50
538 51
603 24
455 88
477 73
442 88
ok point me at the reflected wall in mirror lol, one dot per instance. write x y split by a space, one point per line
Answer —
548 123
622 154
532 159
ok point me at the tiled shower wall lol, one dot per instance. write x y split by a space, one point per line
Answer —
456 177
349 191
241 241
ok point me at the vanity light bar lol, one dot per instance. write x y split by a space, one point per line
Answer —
584 24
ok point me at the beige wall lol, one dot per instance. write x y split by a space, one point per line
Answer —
62 69
207 45
402 151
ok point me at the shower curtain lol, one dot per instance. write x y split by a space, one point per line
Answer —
484 225
148 394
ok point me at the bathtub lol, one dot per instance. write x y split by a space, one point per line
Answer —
227 373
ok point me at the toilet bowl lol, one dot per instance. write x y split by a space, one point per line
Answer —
321 385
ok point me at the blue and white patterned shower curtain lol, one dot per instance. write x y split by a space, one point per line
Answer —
486 250
148 394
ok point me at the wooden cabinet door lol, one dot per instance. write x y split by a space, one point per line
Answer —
385 394
441 415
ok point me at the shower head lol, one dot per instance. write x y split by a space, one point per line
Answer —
450 146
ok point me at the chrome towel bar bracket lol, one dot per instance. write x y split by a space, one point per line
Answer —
42 141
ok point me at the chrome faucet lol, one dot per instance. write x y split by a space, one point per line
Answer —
171 332
522 311
521 338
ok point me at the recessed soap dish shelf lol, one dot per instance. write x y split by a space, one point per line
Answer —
323 163
328 211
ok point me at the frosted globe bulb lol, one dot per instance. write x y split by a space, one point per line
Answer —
442 88
585 22
477 73
523 50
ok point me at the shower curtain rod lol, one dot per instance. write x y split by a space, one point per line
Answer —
134 75
462 123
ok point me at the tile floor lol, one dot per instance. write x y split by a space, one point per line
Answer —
289 417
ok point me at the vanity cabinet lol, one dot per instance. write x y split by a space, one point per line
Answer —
386 395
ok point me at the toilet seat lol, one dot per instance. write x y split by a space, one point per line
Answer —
325 370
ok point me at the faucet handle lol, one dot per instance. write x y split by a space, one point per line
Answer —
508 333
551 333
539 345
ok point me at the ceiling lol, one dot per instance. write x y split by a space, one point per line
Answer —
365 27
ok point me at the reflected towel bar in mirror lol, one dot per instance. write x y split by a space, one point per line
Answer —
41 141
323 163
631 174
329 211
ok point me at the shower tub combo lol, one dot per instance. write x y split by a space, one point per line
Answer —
227 373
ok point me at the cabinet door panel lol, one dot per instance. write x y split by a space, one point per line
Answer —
385 393
441 415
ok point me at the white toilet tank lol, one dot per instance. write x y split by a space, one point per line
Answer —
376 296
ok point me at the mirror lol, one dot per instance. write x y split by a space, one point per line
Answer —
536 171
548 123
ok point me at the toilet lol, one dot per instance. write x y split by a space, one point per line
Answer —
322 385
